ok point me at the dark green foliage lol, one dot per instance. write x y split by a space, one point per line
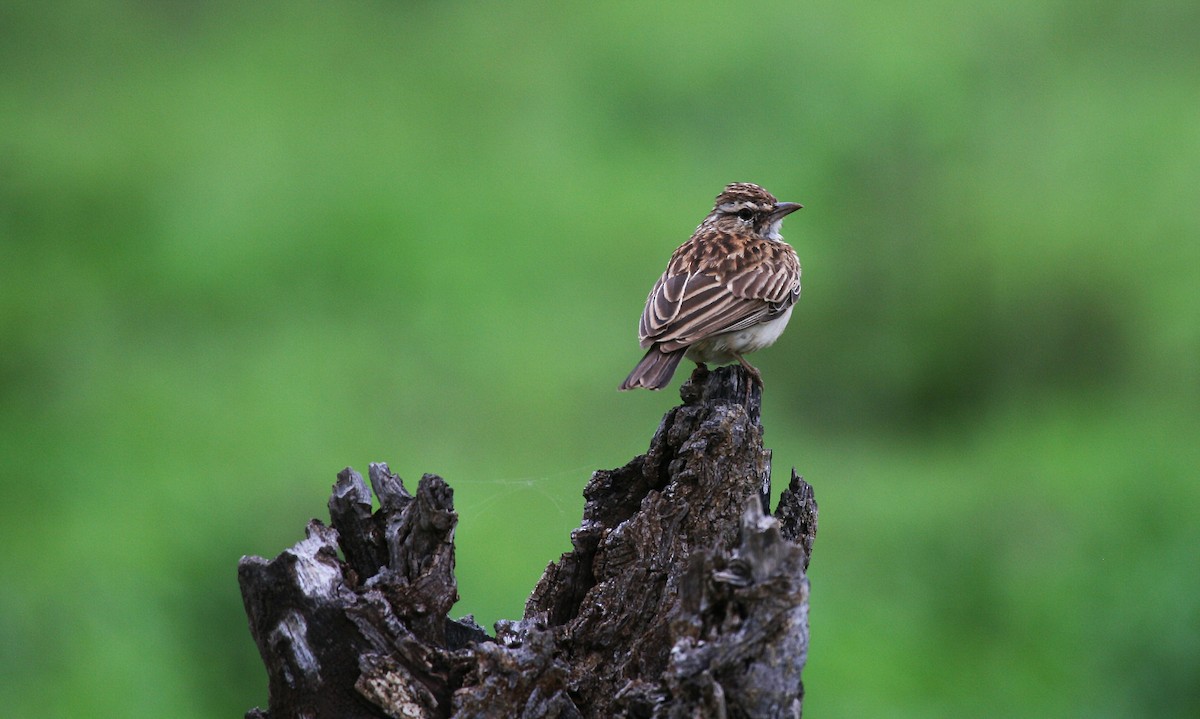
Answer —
245 245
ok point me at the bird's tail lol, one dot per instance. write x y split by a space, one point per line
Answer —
655 369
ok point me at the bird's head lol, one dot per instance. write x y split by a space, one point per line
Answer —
746 207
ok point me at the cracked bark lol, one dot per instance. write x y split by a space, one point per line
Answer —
680 597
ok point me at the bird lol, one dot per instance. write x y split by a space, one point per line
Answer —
728 291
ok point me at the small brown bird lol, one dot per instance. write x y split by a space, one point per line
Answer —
727 291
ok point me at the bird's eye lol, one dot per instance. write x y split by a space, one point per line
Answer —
745 215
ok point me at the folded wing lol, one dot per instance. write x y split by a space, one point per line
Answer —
685 308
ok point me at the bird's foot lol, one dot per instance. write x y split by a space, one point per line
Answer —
754 373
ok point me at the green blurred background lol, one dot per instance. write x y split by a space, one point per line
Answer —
243 245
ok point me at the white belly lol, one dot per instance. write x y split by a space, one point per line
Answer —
721 349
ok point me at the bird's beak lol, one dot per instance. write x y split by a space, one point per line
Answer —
783 209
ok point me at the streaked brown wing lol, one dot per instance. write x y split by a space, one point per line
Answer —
683 309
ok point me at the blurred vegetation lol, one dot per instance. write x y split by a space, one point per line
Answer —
245 244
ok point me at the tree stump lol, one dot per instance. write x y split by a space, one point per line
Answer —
681 598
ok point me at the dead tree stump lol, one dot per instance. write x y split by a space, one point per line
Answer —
681 597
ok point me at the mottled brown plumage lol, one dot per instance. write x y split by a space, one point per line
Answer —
727 291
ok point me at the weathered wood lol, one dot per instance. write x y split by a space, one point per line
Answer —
680 597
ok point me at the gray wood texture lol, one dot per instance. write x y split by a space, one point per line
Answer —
681 597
